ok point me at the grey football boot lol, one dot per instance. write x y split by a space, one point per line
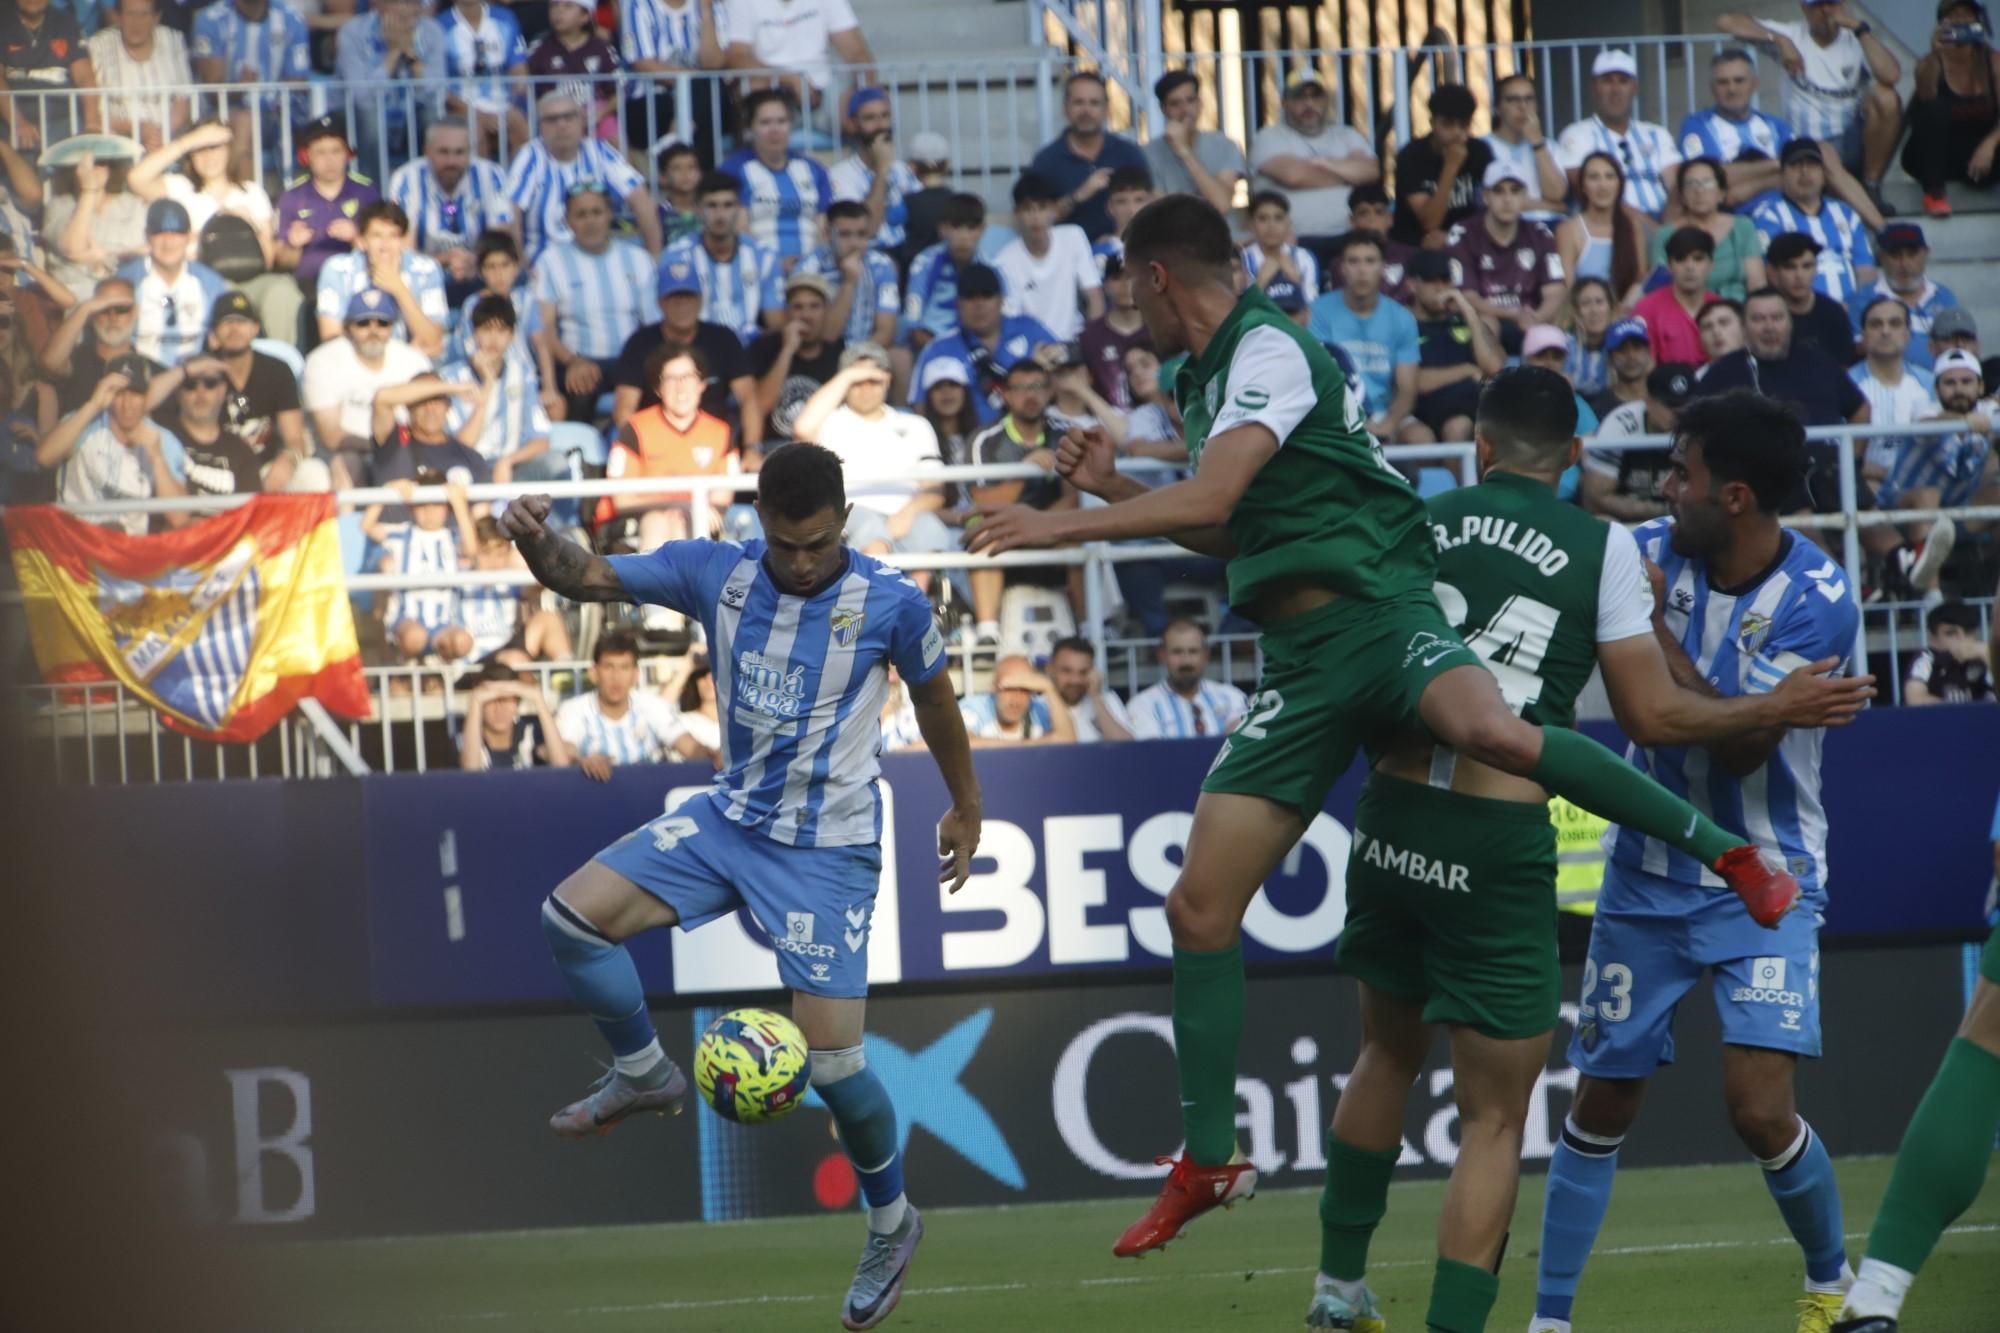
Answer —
661 1090
878 1278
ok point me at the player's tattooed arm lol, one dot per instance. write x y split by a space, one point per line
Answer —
558 564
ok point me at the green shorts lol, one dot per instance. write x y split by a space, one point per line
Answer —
1334 679
1451 904
1989 960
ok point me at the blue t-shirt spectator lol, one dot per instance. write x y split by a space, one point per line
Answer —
1065 169
1377 342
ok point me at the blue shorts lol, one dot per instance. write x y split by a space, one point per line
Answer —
812 903
1640 967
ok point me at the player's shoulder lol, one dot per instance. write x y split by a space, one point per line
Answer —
1654 540
892 585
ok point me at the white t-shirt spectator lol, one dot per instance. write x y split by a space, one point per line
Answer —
1158 713
1315 212
1824 97
335 377
1084 716
137 88
1050 287
103 467
645 735
789 34
171 318
897 441
244 201
1907 400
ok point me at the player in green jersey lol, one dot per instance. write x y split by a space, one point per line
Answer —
1330 552
1451 910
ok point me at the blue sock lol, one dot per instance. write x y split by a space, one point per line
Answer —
1577 1196
1801 1180
603 980
867 1121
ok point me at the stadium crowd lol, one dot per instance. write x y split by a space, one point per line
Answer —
545 266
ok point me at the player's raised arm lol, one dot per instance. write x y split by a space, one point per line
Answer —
559 565
943 730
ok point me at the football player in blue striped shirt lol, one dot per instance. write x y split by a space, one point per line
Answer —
865 301
741 282
785 193
594 292
802 632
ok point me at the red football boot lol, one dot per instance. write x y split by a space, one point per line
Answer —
1765 886
1190 1191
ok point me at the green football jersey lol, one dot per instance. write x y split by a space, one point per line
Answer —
1327 508
1533 585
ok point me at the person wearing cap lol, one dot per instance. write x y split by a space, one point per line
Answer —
1944 471
342 376
591 290
1953 329
988 340
1184 158
543 173
1897 390
94 332
740 280
1905 254
1517 137
864 302
41 47
137 60
775 34
784 193
382 258
1508 266
1846 260
872 175
219 461
732 389
672 438
394 39
1456 348
1670 311
1438 177
1954 111
108 449
1314 160
171 293
923 207
1733 131
516 433
451 198
262 405
1628 352
1623 485
1078 163
316 216
1379 335
801 355
1105 341
656 38
1817 319
1645 152
1840 85
575 56
1047 269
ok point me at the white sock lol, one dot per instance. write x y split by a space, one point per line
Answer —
1839 1284
1879 1291
884 1220
641 1062
1544 1324
991 627
1351 1292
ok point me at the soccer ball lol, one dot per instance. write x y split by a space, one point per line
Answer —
752 1066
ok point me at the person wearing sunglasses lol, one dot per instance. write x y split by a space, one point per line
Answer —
343 376
171 292
97 331
219 461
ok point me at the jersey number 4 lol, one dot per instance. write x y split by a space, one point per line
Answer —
1513 643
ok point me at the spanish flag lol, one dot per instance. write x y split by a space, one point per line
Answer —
223 625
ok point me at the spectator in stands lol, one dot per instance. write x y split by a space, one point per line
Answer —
615 723
772 34
592 292
1547 346
252 42
1096 713
318 213
1076 403
92 221
864 301
497 256
1953 330
1438 177
1955 111
1606 239
1316 163
1517 138
1184 702
1271 253
1628 350
1953 668
1078 163
219 462
1456 349
930 159
262 405
545 170
75 364
136 61
451 198
872 175
408 451
1130 190
802 355
1152 422
1047 269
784 193
1720 325
171 293
29 394
1024 708
1897 391
700 719
1026 433
680 185
1738 265
575 57
343 376
667 43
382 259
1817 319
1734 132
1586 322
987 341
672 438
732 390
1371 210
1186 159
1624 484
493 733
740 279
109 450
1846 263
1840 87
1645 152
930 302
1378 334
485 57
1105 341
42 51
1905 254
517 425
1508 267
946 402
1944 471
1670 311
394 40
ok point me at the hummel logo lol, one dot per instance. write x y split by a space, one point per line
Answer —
856 916
855 939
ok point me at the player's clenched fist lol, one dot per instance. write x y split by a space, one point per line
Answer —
1087 458
524 516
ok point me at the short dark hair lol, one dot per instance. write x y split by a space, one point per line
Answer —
674 150
1084 76
1276 198
1731 53
763 97
656 361
1371 193
1363 236
962 210
1747 437
1075 643
492 243
1689 241
1722 302
1869 309
1516 77
1124 179
1453 101
800 480
1766 293
719 182
1183 622
1171 82
1027 365
1035 188
1528 414
382 210
1179 229
615 643
494 310
846 210
487 529
1944 613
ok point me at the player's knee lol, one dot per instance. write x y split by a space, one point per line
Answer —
833 1066
1607 1107
1764 1120
453 644
1882 101
1198 925
412 639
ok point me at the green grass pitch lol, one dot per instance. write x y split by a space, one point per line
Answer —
1686 1250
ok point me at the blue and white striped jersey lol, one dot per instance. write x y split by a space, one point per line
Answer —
171 318
1644 152
1842 236
655 30
538 184
1922 308
1306 262
599 300
1824 97
342 277
527 320
478 52
734 291
876 294
1710 133
441 219
800 681
490 615
930 301
1157 713
409 549
784 207
1744 641
645 734
275 47
1105 249
516 419
1584 367
853 179
981 714
1954 464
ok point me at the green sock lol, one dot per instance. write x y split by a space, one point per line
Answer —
1351 1206
1461 1297
1942 1163
1208 1023
1577 768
